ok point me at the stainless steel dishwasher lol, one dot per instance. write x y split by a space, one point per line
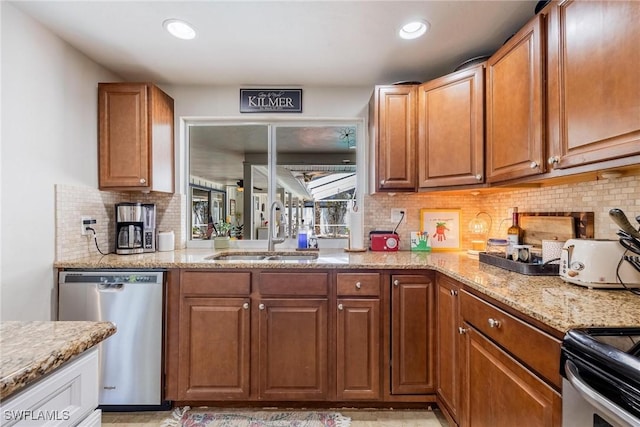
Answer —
131 359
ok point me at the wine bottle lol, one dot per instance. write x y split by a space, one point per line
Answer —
514 233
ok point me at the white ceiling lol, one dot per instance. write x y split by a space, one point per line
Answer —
293 43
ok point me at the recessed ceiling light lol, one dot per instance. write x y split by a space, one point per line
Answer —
179 29
413 30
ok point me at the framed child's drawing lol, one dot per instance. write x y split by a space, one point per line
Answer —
443 228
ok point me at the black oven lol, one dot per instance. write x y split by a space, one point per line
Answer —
601 377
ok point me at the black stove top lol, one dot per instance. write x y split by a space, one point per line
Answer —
608 360
628 343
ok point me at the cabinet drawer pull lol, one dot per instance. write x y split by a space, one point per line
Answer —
245 305
493 323
143 181
396 282
453 292
358 285
340 307
533 164
462 330
261 306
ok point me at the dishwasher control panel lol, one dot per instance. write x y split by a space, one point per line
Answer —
110 277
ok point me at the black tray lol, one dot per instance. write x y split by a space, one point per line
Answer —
530 269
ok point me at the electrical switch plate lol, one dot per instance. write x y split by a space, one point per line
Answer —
86 221
396 215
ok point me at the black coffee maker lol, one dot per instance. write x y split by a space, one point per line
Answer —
129 228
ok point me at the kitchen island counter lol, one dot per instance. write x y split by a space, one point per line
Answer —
29 350
548 299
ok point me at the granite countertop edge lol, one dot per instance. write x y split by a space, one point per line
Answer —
22 366
547 299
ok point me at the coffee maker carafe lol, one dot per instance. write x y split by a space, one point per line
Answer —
129 228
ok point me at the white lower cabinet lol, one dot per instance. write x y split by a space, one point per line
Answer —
66 397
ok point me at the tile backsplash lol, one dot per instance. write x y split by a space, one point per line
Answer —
596 196
74 202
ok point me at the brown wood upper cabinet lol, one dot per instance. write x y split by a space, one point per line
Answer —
392 112
451 129
515 106
135 138
593 84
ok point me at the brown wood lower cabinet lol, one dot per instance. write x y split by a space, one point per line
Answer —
358 336
412 324
358 350
214 361
448 345
358 343
500 392
213 336
293 349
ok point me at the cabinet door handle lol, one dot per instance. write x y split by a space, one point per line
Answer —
553 160
493 323
358 285
143 181
261 306
340 307
462 330
479 177
533 164
382 183
245 305
396 282
453 292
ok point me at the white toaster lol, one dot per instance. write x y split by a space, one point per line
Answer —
597 263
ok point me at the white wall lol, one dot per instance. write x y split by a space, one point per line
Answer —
49 136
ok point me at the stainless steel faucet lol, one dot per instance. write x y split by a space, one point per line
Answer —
273 240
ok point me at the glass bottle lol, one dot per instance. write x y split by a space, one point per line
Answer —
302 236
514 233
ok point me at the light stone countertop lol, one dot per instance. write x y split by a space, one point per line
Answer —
30 350
550 300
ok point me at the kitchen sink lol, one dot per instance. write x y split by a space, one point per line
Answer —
275 257
292 257
236 257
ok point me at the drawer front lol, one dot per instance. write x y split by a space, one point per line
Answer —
536 349
293 284
215 283
359 284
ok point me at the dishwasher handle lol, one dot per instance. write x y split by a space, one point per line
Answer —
111 287
607 407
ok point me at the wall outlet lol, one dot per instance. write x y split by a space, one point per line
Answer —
396 215
86 221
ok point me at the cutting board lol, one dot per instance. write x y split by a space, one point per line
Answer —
539 228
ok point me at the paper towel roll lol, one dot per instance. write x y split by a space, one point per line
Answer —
166 241
356 238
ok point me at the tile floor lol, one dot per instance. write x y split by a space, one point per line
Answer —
359 418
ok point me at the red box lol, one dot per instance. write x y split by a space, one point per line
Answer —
384 241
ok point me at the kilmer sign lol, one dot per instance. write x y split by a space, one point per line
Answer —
271 100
